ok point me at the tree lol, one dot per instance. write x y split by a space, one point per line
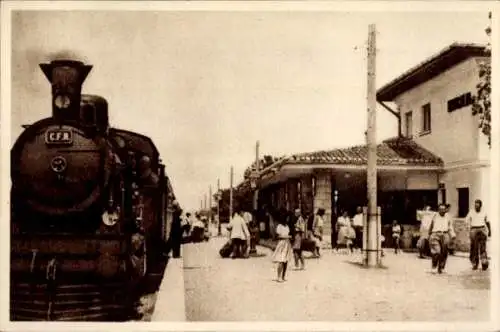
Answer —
264 162
482 100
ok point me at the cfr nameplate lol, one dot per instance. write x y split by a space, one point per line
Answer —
59 136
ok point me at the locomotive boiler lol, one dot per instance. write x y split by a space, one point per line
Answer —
88 209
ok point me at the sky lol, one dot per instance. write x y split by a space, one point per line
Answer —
205 86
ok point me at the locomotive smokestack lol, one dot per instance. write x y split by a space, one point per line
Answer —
66 77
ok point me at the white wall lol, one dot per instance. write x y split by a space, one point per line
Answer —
422 181
453 136
408 180
463 178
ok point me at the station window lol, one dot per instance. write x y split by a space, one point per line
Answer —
426 118
459 102
408 124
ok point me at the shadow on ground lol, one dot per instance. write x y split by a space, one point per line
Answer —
472 279
363 266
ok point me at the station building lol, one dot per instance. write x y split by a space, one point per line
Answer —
439 154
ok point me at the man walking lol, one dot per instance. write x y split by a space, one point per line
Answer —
425 222
479 231
440 232
239 234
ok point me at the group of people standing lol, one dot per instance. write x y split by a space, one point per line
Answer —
294 236
437 229
193 227
348 232
243 234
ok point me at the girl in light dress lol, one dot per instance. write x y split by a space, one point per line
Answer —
283 252
318 230
350 237
343 223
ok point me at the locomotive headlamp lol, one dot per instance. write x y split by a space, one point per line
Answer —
62 101
110 218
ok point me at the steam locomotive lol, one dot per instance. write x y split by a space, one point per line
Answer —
91 207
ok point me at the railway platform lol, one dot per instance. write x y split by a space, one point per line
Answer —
170 305
332 288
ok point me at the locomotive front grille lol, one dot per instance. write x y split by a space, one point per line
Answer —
31 253
69 244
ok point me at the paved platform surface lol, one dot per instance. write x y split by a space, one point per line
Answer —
332 288
170 302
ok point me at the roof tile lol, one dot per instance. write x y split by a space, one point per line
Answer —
394 151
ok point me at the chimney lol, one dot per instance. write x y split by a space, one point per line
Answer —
66 77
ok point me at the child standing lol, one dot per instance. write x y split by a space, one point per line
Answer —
300 229
351 238
396 235
283 252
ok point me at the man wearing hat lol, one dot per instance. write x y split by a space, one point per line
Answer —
300 230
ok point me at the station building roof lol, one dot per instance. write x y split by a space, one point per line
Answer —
430 68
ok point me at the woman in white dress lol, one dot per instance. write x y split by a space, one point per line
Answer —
283 252
343 223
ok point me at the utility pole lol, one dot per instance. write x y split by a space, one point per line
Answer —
209 204
254 181
231 194
257 167
218 208
372 253
205 202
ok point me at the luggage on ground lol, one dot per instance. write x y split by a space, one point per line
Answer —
225 251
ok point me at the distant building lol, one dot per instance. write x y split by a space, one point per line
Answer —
440 154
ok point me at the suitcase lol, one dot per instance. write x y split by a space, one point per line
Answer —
308 245
198 234
226 250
